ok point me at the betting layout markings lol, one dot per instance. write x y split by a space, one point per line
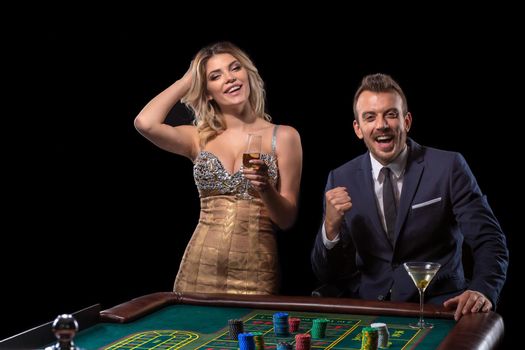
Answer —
341 334
158 339
337 330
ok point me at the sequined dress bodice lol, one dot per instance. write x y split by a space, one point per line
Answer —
213 179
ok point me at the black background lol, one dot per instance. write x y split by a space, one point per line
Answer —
94 213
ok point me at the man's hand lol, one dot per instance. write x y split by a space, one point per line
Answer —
337 203
469 301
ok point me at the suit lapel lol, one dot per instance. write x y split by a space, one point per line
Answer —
413 171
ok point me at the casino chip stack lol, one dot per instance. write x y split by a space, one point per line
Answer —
319 328
236 327
302 341
294 322
383 335
258 340
246 341
280 324
369 338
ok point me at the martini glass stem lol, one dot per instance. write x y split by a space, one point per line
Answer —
421 302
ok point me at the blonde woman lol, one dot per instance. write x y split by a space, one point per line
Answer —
233 248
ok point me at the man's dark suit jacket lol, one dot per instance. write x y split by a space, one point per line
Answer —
441 206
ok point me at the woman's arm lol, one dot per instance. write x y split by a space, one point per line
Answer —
149 122
282 203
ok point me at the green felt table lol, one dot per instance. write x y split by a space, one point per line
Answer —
200 321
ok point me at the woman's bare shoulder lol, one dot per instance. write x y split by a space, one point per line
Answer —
288 133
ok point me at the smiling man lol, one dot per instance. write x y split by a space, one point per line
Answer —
400 202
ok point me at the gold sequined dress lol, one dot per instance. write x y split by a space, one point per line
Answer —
233 248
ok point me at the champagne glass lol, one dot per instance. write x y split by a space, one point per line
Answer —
421 273
252 151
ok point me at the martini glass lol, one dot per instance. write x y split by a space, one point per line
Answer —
421 272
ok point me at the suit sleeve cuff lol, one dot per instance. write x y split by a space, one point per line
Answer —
329 244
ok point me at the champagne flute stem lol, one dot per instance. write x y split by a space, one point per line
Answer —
421 302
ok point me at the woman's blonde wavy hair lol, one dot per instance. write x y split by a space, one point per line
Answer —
207 112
